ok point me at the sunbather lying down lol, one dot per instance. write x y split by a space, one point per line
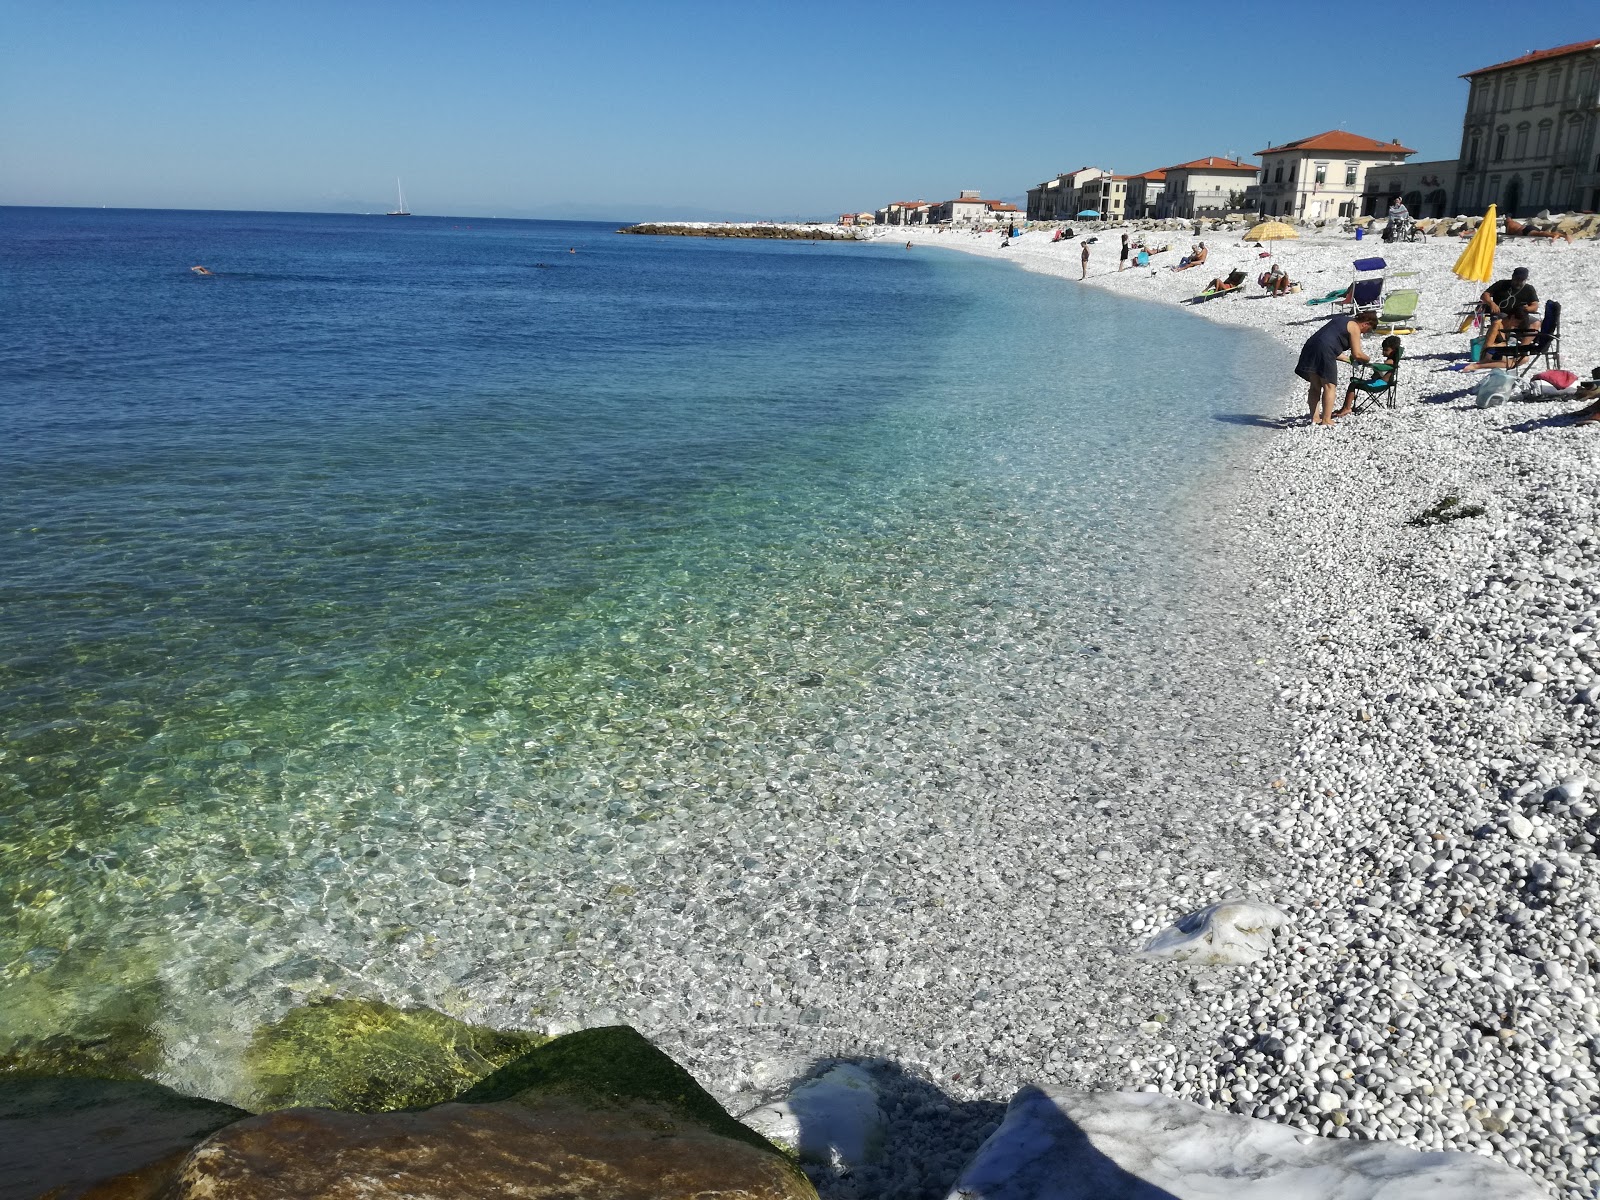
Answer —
1515 228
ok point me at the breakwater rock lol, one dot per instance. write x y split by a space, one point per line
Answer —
600 1113
1059 1145
805 233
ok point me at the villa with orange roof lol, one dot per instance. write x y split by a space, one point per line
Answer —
1530 139
1322 177
1205 187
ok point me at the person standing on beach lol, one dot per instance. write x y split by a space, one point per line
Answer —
1085 274
1339 339
1122 265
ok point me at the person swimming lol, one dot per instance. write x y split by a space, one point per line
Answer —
198 270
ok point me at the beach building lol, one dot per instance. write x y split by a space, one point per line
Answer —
903 212
965 209
1061 198
1426 188
1144 194
1205 187
1324 176
1106 195
1530 138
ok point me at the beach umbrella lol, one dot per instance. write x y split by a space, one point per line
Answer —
1089 212
1476 263
1271 231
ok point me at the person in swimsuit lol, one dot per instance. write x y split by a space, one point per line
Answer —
1085 259
1339 339
1123 264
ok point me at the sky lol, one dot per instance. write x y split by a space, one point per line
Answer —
633 111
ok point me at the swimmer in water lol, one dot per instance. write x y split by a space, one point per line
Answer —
908 245
200 270
572 249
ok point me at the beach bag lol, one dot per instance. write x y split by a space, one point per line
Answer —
1475 347
1495 389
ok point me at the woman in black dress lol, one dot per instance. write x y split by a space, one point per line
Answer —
1319 359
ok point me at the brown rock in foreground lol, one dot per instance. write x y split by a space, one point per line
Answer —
556 1149
596 1115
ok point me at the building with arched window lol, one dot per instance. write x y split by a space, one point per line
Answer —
1530 139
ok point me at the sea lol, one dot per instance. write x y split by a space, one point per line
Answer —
403 607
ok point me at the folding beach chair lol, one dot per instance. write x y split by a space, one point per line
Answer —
1369 294
1232 283
1399 311
1543 346
1377 384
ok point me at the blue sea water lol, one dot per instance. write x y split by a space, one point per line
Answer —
415 576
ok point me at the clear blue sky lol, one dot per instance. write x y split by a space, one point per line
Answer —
698 109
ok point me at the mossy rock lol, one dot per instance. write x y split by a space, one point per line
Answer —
108 1035
611 1067
367 1056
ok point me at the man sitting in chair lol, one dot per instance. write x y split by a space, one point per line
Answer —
1512 306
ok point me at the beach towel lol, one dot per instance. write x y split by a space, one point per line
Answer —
1560 381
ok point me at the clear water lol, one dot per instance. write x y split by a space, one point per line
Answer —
374 611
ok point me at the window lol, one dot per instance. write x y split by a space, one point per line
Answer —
1552 86
1536 187
1543 145
1278 178
1522 140
1511 94
1472 151
1499 143
1344 209
1350 174
1322 173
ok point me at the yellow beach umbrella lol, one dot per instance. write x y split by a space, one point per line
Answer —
1271 231
1477 260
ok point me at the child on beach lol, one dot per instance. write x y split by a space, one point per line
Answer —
1382 377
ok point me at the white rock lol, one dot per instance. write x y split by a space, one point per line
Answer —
833 1119
1518 826
1061 1145
1234 931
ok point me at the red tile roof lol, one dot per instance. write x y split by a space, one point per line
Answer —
1153 176
1337 141
1213 163
1001 206
1537 56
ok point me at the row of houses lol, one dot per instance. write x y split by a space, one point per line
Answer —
969 208
1530 140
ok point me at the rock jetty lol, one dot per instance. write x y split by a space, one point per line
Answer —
756 229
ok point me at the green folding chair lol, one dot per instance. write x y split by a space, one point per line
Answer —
1399 313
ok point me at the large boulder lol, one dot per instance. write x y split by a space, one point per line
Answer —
59 1137
597 1114
1060 1145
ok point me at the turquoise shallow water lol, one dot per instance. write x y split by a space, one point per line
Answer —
409 560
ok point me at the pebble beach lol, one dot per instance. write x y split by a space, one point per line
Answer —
1434 832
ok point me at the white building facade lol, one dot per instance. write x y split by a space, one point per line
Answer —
1323 177
1205 187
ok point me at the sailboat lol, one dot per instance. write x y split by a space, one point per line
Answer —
400 209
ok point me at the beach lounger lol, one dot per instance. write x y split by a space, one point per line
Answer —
1376 384
1399 311
1232 283
1367 290
1543 346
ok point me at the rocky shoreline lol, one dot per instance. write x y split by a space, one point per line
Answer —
605 1114
1435 843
